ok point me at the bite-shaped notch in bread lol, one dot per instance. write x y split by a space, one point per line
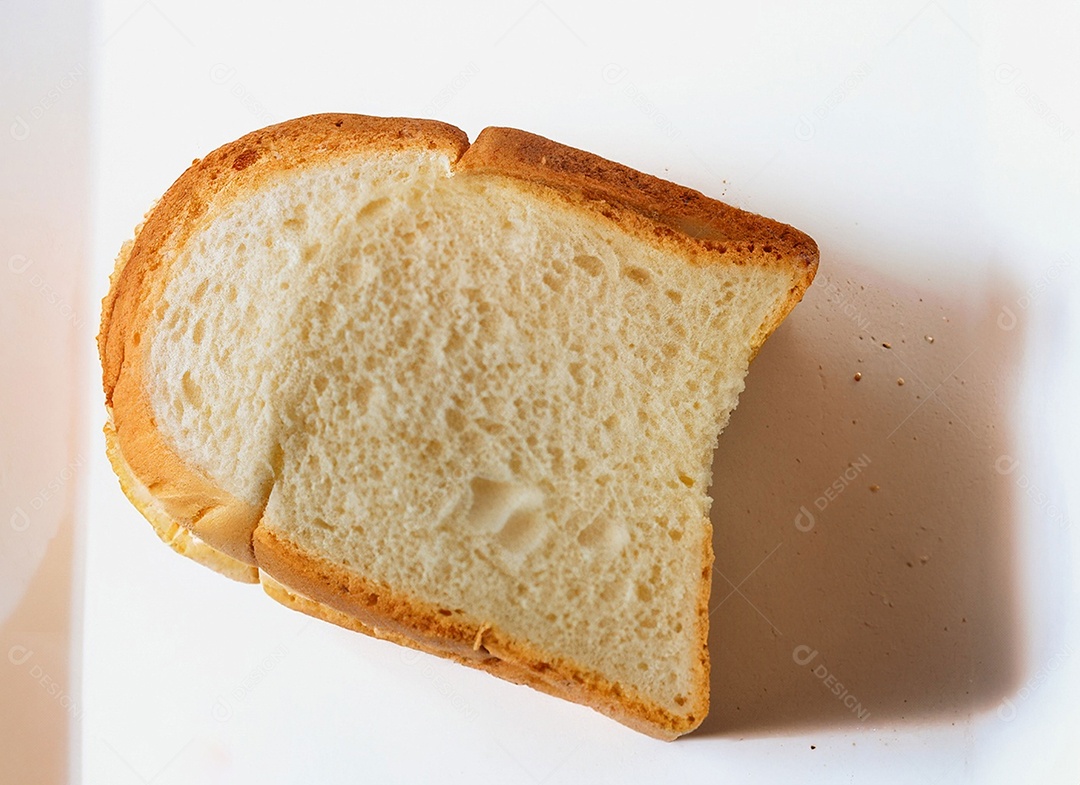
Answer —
460 397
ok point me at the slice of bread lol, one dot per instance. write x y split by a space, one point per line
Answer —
461 397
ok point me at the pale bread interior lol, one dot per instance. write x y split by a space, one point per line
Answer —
486 400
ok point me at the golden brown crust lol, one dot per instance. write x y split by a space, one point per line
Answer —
203 521
497 667
701 229
181 540
328 591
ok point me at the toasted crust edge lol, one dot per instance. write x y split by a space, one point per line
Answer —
168 530
701 229
203 522
327 591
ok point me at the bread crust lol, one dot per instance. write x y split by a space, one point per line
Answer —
676 218
180 539
330 592
207 523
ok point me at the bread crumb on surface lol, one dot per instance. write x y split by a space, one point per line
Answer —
875 488
900 381
857 376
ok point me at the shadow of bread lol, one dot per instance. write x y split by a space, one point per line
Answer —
864 539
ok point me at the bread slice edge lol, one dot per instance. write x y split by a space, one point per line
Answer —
319 588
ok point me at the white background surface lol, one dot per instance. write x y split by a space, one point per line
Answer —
930 149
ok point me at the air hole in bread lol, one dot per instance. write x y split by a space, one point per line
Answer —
604 535
522 531
590 264
554 282
494 503
192 391
455 420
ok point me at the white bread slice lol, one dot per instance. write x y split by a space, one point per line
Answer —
459 397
